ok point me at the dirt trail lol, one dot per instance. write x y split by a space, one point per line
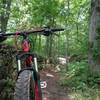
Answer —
53 91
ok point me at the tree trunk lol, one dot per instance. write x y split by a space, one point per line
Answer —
94 47
4 15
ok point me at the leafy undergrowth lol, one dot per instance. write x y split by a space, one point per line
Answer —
80 82
6 92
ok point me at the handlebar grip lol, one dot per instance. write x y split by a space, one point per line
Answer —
57 29
47 32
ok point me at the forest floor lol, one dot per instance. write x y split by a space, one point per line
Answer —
53 91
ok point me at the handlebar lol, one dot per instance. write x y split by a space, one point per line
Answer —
44 31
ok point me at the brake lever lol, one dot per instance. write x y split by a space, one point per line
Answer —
47 32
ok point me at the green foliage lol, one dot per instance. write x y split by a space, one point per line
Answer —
96 52
8 86
54 13
80 82
79 77
8 82
77 74
97 37
98 27
88 94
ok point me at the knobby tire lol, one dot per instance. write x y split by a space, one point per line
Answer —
26 87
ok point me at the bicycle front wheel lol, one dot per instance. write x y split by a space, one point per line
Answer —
26 87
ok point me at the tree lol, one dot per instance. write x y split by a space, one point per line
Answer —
4 15
94 47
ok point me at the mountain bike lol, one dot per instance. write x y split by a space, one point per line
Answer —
28 80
